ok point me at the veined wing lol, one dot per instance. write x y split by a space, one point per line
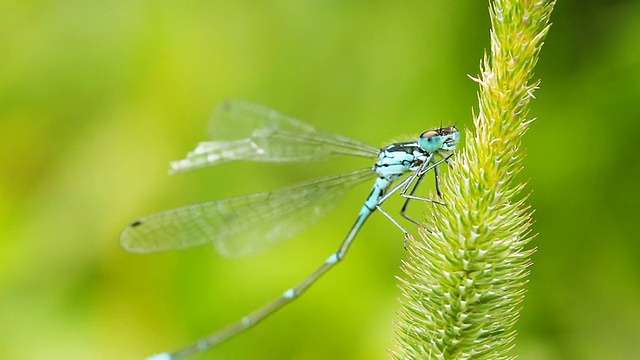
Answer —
241 225
247 131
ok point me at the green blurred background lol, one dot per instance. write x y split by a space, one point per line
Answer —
97 97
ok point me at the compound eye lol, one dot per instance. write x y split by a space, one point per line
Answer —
429 134
430 140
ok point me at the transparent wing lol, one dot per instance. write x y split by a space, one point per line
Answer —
247 131
242 225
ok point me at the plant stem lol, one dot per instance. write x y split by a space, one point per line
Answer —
464 281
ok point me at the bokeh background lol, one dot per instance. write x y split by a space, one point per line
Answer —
97 97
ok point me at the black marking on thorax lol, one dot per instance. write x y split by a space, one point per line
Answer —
408 147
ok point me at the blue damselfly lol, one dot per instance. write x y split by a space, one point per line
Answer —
246 224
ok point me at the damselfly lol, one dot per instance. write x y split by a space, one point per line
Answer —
247 224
